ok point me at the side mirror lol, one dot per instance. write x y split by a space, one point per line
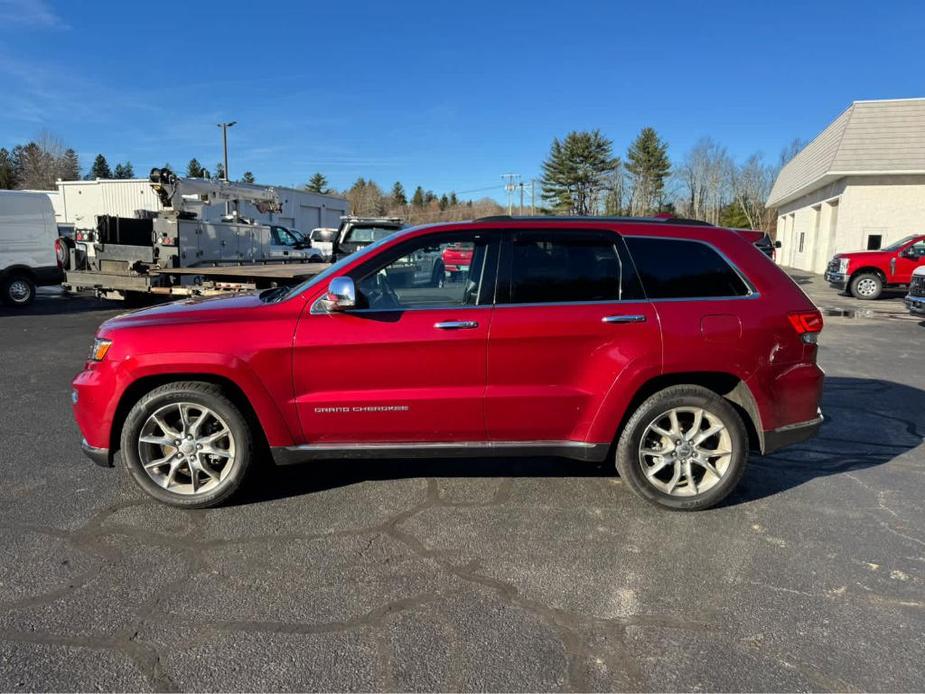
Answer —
777 244
341 295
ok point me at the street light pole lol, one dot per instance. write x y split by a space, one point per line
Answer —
224 127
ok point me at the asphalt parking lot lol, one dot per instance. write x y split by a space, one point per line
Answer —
470 574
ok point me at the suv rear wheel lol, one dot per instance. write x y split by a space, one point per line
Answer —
187 444
685 449
867 285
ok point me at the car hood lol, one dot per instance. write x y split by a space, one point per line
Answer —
194 309
864 254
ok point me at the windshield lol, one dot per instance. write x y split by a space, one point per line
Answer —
368 234
281 293
899 244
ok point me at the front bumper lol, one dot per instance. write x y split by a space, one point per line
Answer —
916 305
836 279
100 456
791 434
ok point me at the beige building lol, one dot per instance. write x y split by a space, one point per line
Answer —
859 185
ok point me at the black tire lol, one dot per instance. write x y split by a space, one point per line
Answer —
17 289
439 277
628 456
866 286
196 393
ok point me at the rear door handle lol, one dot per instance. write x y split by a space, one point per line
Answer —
624 319
457 325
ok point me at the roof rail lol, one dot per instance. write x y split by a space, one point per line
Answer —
659 218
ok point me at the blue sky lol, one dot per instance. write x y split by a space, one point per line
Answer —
444 95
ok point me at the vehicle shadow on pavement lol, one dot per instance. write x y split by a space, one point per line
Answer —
56 304
868 423
283 482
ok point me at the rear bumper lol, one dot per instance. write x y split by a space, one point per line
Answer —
916 305
100 456
836 279
792 433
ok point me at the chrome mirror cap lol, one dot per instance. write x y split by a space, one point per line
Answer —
341 295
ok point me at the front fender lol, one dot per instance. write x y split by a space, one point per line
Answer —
276 425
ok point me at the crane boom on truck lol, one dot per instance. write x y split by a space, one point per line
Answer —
177 252
192 194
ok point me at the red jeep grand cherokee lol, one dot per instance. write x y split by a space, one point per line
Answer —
668 347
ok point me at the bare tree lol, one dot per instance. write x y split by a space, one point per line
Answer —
751 184
704 178
41 163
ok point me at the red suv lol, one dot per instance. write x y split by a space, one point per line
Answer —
668 348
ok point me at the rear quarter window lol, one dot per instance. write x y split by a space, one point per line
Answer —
681 269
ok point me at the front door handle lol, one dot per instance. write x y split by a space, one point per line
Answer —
456 325
639 318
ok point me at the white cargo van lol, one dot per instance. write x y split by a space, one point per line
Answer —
27 246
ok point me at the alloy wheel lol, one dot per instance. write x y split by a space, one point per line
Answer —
186 448
685 451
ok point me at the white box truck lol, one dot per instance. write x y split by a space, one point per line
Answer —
28 252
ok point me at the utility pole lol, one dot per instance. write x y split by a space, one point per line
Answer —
224 127
532 197
521 186
510 186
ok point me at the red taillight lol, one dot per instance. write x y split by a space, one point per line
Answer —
60 253
806 322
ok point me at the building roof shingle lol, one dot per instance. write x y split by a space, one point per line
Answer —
886 136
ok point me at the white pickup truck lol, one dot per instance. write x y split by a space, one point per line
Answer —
915 299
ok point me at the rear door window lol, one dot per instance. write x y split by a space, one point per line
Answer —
567 266
682 269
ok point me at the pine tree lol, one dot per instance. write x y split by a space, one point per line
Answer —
444 202
7 171
318 183
124 170
578 171
16 156
194 169
100 168
220 171
648 165
454 201
69 166
248 177
429 197
398 195
418 199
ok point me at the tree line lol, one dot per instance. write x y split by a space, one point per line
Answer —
582 176
367 199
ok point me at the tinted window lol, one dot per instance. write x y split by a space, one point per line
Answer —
564 266
676 269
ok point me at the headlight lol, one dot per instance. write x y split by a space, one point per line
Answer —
99 349
843 266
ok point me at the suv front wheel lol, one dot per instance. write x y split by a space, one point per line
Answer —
187 444
685 449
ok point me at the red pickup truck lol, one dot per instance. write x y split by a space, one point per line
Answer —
665 348
865 274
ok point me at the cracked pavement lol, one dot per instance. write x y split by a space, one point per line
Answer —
520 575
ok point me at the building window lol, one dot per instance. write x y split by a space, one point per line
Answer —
874 242
802 240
